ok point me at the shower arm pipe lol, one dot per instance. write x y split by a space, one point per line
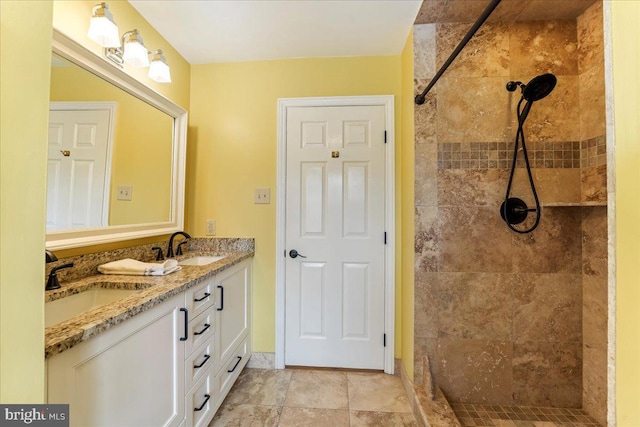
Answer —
420 98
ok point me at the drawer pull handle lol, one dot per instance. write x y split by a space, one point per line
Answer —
186 324
221 298
236 365
207 396
204 297
206 326
206 358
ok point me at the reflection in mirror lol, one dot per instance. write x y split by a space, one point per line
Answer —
144 153
110 154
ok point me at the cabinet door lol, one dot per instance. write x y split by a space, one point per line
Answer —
131 375
233 308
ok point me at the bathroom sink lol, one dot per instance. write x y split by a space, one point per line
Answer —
63 309
201 260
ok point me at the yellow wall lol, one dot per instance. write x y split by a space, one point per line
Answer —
25 27
407 210
232 149
626 66
71 17
142 145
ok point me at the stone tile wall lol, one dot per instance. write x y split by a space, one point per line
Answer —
594 219
592 107
499 314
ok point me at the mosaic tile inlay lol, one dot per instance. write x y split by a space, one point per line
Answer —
499 155
593 152
503 416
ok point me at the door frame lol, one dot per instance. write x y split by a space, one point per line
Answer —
389 251
111 106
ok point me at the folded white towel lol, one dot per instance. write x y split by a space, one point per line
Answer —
132 267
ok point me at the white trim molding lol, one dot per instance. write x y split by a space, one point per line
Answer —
389 311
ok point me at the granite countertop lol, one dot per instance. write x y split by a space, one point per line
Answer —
153 290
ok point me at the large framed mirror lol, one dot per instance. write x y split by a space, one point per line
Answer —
117 148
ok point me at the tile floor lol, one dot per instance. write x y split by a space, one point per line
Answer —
309 398
520 416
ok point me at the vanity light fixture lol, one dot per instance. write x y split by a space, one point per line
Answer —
103 29
130 49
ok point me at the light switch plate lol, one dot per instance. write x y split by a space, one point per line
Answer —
124 192
262 196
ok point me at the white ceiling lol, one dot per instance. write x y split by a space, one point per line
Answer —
206 31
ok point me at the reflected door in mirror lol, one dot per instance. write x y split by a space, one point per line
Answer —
78 173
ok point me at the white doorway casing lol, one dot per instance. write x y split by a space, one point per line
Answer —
389 215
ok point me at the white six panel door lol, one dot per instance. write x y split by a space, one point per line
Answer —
335 218
76 181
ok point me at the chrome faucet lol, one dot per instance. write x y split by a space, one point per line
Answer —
170 247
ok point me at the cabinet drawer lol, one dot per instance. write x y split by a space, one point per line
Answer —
232 368
200 297
200 402
199 363
200 330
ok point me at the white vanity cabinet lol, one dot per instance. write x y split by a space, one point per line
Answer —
130 375
172 365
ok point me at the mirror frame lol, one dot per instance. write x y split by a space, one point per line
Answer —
81 56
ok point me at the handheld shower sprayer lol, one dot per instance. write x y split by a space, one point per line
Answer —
514 210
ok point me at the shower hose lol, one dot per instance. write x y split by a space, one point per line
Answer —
523 111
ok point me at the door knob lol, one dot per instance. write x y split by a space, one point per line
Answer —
293 254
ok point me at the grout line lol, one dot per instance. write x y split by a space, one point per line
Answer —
286 393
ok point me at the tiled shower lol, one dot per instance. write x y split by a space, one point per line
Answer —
506 318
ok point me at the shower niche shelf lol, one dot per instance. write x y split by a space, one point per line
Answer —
569 204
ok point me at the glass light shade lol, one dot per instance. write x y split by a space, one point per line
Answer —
159 71
135 53
104 31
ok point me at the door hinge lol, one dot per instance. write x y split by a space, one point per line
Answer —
384 340
385 237
385 136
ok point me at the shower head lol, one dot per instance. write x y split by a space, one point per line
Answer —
539 87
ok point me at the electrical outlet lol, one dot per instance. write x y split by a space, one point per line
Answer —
211 227
124 192
262 196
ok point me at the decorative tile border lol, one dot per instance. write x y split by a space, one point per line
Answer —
593 152
498 155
